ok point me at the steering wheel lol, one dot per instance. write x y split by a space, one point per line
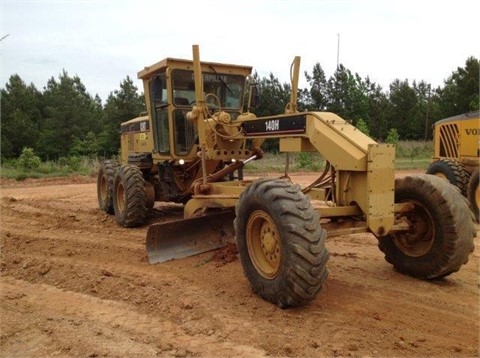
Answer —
215 105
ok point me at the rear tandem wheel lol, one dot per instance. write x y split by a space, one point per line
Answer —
441 235
105 182
280 242
129 199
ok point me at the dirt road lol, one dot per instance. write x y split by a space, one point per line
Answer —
73 283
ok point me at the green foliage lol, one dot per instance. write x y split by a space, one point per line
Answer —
74 163
345 95
21 113
65 166
414 149
403 101
304 160
122 105
66 121
273 96
28 160
362 126
410 155
392 136
318 89
308 161
461 91
70 113
88 146
377 108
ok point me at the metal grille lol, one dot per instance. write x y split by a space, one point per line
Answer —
449 140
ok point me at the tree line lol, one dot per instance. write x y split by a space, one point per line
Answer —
65 120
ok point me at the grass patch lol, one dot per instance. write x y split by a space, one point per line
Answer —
276 162
413 164
408 155
64 167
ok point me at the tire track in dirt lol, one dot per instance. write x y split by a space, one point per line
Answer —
76 284
114 328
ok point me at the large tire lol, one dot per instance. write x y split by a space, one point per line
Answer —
130 199
451 170
280 242
105 183
441 235
473 193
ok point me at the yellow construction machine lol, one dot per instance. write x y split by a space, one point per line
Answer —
192 147
456 154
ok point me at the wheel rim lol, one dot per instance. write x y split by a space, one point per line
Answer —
103 188
420 238
441 175
263 243
120 197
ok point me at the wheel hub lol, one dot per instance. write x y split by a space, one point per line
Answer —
420 238
264 245
269 242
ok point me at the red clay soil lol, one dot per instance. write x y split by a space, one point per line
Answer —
73 283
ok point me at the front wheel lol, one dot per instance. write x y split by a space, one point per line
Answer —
451 170
129 199
280 242
441 232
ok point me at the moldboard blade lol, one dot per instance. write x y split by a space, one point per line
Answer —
188 237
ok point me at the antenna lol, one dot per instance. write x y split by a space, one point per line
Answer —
338 51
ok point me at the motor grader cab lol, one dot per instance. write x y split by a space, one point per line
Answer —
192 151
457 153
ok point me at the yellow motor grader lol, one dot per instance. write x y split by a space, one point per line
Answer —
192 147
456 155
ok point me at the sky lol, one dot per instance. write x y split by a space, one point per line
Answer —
103 42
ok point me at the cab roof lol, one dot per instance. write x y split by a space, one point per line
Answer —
160 66
464 116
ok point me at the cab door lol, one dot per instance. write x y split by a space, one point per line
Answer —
160 122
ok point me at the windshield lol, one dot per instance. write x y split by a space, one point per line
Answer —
227 88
